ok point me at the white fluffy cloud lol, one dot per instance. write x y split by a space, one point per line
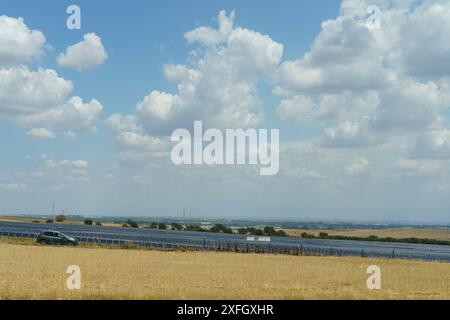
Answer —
18 44
209 36
41 133
132 136
219 86
39 100
361 86
415 35
84 55
25 91
350 133
73 114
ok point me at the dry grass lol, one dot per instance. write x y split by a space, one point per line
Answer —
398 233
77 222
18 219
35 272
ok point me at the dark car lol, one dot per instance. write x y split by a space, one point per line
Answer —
55 237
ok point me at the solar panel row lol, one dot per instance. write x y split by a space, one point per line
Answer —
226 242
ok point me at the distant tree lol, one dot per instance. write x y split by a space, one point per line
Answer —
323 235
216 228
154 225
199 229
35 221
307 235
227 230
125 225
49 221
251 230
242 230
196 228
269 231
162 226
98 223
259 232
281 233
133 224
88 222
220 228
60 218
177 226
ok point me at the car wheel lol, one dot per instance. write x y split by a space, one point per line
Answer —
71 244
43 242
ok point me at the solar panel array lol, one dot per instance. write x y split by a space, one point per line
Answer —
167 239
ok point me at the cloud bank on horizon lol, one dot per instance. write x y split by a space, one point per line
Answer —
369 108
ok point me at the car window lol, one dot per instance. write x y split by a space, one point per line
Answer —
48 234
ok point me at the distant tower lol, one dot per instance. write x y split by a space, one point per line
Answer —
184 214
53 207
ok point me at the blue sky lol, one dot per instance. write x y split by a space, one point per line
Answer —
355 141
142 37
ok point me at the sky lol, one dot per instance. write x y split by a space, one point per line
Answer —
359 91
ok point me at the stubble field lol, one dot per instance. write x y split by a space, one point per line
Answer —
35 272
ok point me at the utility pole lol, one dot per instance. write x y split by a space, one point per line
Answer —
53 207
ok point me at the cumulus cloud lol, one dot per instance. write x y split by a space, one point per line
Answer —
73 114
209 36
349 133
18 43
25 91
218 86
323 109
382 79
84 55
130 135
41 133
140 141
39 100
415 35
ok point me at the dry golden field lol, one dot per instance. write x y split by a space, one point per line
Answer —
35 272
398 233
24 219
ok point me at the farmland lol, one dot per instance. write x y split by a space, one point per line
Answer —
35 272
396 233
